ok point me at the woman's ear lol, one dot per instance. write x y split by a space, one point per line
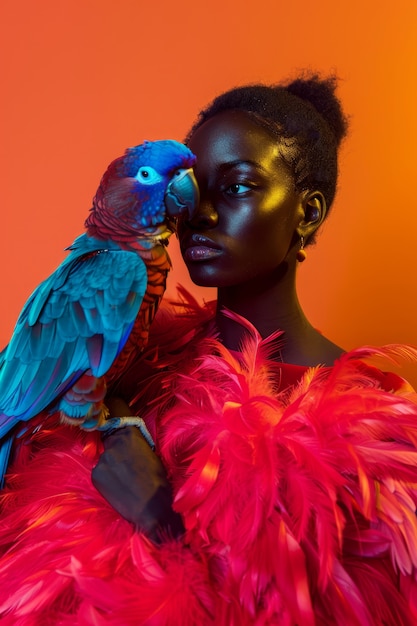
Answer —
314 209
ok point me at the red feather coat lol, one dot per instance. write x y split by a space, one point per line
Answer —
297 486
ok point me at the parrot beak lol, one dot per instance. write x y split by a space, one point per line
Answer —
182 194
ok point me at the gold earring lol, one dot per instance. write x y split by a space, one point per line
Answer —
301 254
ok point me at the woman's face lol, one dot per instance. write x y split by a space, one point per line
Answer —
245 224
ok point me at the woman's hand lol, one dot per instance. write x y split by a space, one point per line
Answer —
133 480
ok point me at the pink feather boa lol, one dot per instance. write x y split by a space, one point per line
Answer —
299 499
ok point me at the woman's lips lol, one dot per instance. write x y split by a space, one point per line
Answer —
200 248
200 253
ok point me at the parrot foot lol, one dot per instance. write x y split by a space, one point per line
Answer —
114 423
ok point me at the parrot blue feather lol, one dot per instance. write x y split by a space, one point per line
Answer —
51 350
5 447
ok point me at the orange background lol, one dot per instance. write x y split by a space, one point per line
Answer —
83 79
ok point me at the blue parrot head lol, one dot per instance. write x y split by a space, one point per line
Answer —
143 192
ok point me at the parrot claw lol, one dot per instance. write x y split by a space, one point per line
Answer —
114 423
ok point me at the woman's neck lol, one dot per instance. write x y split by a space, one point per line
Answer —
270 308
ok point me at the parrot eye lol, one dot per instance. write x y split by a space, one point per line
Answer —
148 176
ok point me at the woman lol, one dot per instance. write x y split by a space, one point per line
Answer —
292 464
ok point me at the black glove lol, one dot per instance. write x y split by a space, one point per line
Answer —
133 480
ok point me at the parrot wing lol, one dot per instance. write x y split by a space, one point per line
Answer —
76 320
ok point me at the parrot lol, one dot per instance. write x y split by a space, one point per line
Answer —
81 325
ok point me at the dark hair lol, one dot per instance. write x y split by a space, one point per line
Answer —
304 115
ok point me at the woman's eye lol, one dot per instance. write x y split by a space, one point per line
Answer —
237 189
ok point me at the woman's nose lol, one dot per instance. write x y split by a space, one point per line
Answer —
204 215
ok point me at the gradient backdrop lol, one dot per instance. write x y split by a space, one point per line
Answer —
83 79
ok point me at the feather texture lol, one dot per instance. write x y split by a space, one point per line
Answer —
299 501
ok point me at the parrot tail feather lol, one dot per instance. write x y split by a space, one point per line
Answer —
5 447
